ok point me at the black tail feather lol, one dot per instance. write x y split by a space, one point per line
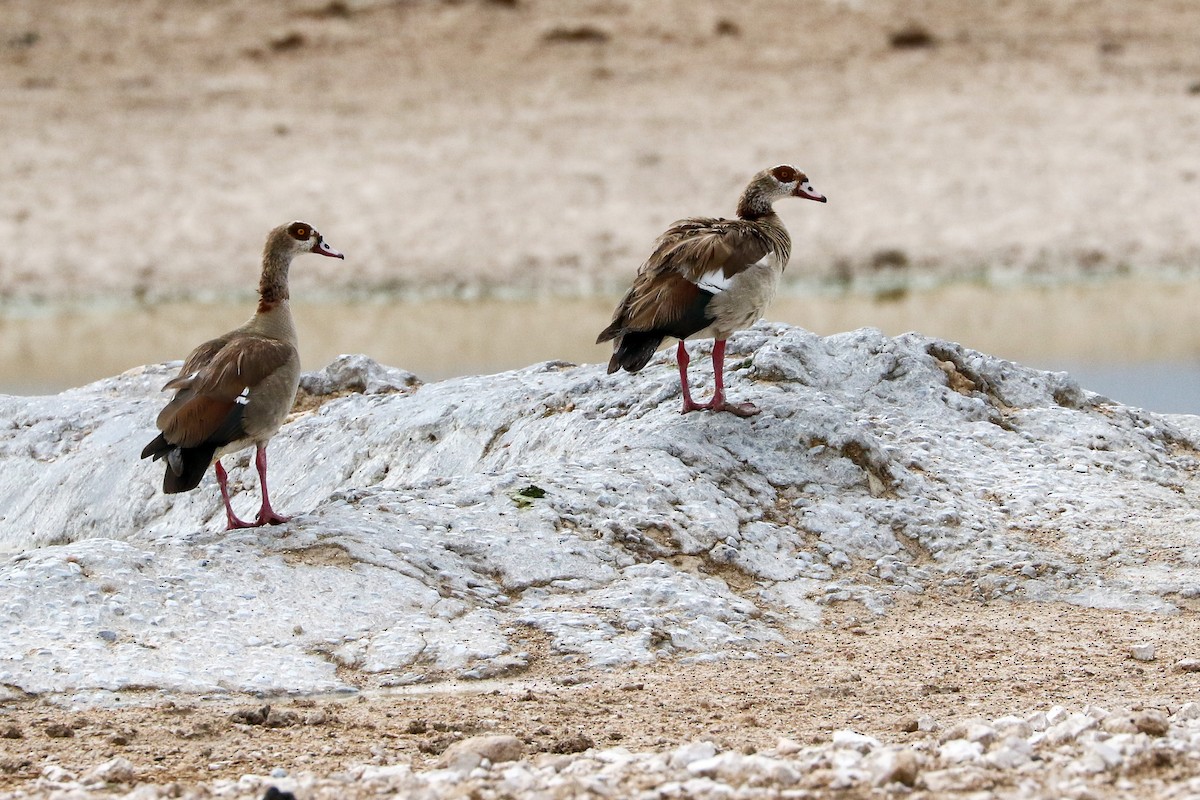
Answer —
193 463
185 466
635 350
157 448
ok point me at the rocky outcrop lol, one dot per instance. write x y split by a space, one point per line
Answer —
437 525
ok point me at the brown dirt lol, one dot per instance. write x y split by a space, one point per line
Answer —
945 656
543 145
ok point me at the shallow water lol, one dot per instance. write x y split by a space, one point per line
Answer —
1135 340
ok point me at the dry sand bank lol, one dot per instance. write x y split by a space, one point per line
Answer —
149 146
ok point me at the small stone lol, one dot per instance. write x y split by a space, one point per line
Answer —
973 730
1013 726
1069 729
1151 723
108 636
956 779
788 747
1118 723
1108 755
893 766
907 724
116 770
251 716
1188 711
686 754
278 718
470 753
57 774
1143 652
1056 715
926 724
56 730
1188 665
853 740
959 750
12 732
1006 758
572 744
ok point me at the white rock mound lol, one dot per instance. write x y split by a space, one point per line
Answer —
434 523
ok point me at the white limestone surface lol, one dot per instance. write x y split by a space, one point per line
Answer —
435 525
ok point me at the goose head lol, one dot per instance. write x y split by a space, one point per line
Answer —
299 237
770 185
787 181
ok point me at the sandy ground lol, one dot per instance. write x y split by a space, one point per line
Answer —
541 145
952 658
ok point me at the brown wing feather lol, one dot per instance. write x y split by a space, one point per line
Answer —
665 287
191 422
197 360
663 299
698 246
243 362
208 391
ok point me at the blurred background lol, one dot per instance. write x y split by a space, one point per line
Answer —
1021 176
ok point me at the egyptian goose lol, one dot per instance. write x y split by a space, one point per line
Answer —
235 391
708 278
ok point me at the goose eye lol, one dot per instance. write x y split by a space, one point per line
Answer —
784 174
299 231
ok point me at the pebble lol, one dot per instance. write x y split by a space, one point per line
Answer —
958 750
973 730
1061 760
1014 726
116 770
1008 758
788 747
1151 723
1069 729
685 755
1188 665
1119 723
1188 711
893 766
470 753
1143 652
852 740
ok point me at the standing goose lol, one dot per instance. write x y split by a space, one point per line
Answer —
235 391
708 277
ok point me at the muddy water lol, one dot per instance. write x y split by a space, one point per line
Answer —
1134 335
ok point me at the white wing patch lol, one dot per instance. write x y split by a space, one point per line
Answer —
716 282
244 397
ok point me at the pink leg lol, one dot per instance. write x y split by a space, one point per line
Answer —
223 482
682 358
266 514
718 402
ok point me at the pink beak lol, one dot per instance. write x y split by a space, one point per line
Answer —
323 249
808 194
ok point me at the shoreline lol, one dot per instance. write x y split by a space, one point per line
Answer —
1097 321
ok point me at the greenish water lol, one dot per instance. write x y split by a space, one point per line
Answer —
1135 340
